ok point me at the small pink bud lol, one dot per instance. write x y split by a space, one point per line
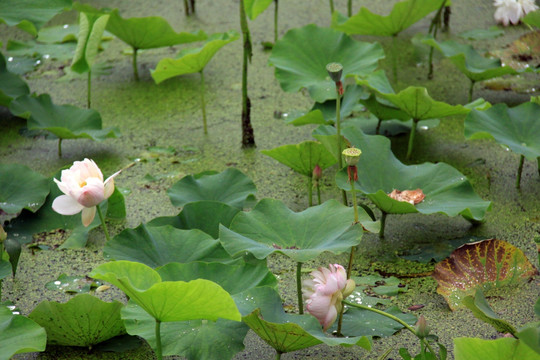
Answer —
422 328
317 173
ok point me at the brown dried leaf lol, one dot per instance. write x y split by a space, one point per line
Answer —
413 197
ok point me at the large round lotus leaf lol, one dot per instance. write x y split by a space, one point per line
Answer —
470 62
272 227
190 61
403 14
262 311
230 186
202 215
193 340
303 157
233 278
64 121
159 245
149 32
481 265
301 56
83 321
446 190
197 299
21 188
19 334
362 322
30 15
11 85
27 224
499 349
517 127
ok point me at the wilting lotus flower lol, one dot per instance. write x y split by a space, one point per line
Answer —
325 292
511 11
84 189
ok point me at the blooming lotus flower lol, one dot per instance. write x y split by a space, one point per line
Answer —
325 292
511 11
84 189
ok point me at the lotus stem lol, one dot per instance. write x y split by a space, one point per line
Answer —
349 8
318 193
446 17
434 27
331 7
299 287
248 138
338 130
310 191
203 102
278 355
378 128
276 21
520 169
89 89
396 319
538 162
158 340
60 147
383 223
471 89
411 138
100 214
186 7
135 70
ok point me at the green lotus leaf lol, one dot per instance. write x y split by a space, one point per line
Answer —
11 85
470 62
383 109
72 284
148 32
91 28
202 215
159 245
230 186
5 266
362 322
83 321
21 188
482 311
532 18
403 14
19 334
446 190
499 349
35 51
59 34
255 7
197 299
262 311
530 335
272 227
190 61
27 224
64 121
193 340
515 127
198 339
325 113
30 15
301 56
481 265
482 34
303 157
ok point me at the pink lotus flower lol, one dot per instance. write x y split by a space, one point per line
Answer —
326 291
84 189
511 11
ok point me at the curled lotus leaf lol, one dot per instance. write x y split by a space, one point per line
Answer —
30 15
19 334
11 85
481 265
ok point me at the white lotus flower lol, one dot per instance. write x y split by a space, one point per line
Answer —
84 189
511 11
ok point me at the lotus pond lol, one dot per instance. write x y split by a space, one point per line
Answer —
257 179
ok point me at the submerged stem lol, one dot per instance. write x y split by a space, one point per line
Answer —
203 102
520 169
411 138
158 340
383 222
248 138
100 214
299 287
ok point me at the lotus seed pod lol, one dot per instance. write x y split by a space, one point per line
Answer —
352 155
335 70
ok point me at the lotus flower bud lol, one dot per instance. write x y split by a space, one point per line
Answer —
352 155
317 173
335 70
422 328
